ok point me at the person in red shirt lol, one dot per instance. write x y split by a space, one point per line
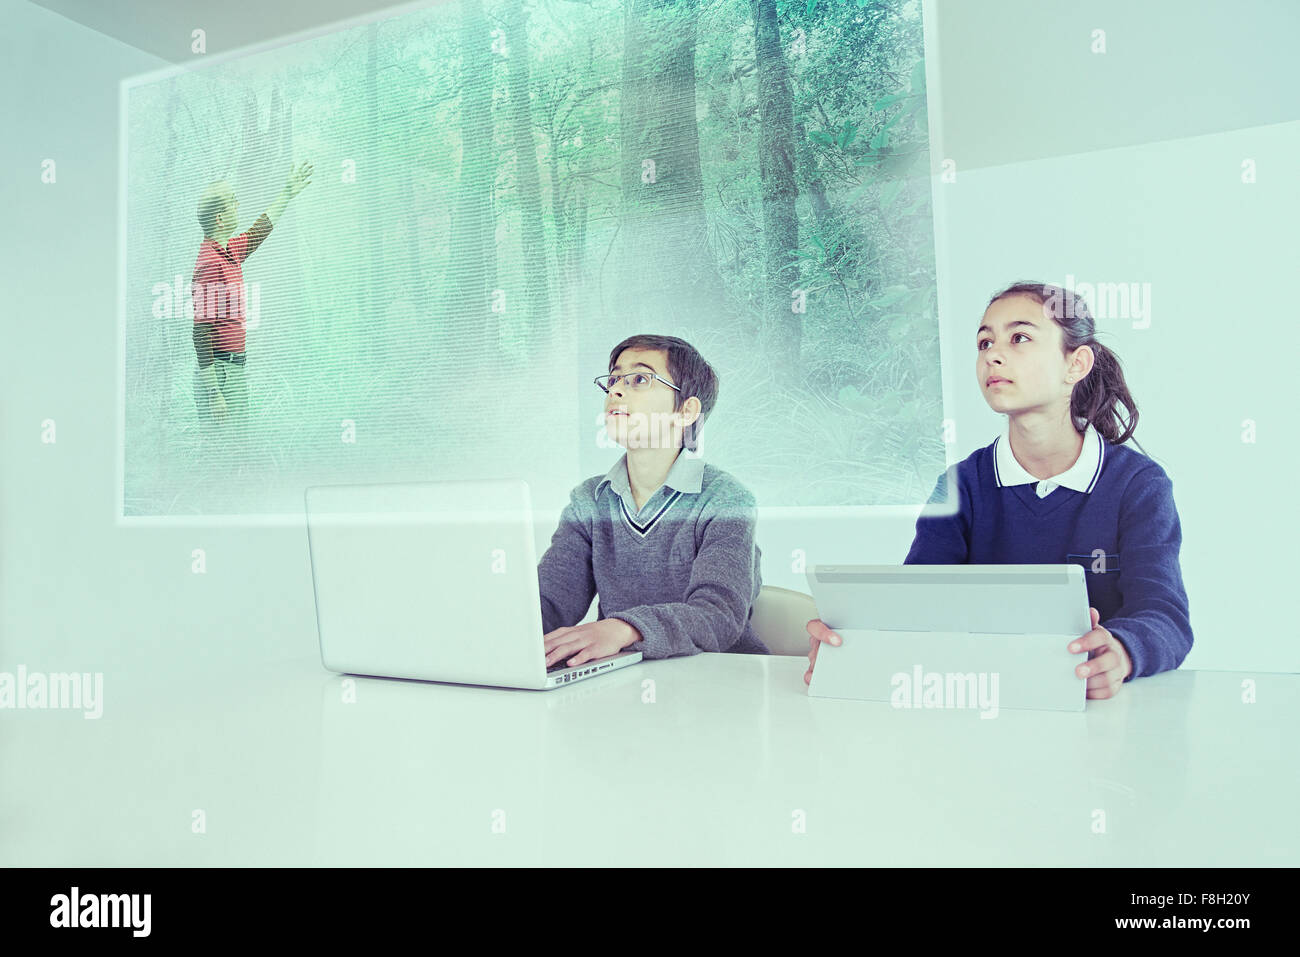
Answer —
217 290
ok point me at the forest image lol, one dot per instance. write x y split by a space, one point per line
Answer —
504 189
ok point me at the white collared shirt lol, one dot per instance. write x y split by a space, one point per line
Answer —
1081 476
685 475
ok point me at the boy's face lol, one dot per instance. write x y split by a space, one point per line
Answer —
638 418
228 218
1019 360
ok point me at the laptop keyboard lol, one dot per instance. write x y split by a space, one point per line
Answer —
561 665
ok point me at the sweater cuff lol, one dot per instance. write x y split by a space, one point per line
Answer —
651 644
1133 649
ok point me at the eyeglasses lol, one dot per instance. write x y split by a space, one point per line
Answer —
636 381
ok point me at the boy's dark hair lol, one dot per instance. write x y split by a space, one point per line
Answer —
1097 395
689 372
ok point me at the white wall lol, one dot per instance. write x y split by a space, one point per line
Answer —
79 593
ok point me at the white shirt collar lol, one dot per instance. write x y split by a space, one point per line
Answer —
1081 476
685 475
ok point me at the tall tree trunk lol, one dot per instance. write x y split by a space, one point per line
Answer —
250 149
163 381
413 290
577 220
371 176
558 212
668 274
471 323
782 327
815 184
528 182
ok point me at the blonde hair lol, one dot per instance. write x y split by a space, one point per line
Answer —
213 203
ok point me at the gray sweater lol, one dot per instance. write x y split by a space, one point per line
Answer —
683 570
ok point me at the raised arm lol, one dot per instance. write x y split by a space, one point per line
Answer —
252 239
299 178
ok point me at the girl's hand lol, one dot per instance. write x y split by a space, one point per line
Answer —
1108 662
817 633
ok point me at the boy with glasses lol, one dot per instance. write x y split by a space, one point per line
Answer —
665 540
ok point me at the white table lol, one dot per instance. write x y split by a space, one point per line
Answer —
721 768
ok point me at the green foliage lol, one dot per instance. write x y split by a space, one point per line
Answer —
361 282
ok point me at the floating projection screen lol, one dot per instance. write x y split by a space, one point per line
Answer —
502 191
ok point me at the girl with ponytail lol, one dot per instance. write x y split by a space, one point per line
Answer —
1062 486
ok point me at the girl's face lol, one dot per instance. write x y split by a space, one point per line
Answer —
1018 359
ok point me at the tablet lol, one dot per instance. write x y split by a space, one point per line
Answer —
975 637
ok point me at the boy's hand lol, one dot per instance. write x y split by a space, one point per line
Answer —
299 177
596 639
1108 662
818 632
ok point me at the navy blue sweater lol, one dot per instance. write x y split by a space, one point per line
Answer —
1128 517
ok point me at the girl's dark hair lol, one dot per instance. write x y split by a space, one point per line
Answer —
691 374
1097 396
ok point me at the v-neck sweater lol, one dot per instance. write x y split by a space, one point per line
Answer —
683 569
1124 532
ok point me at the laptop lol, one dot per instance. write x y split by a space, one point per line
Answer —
435 581
982 636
